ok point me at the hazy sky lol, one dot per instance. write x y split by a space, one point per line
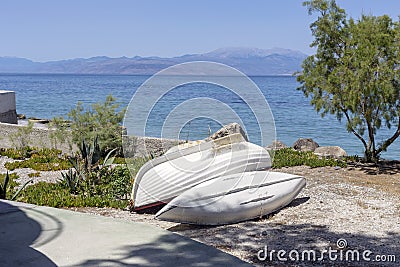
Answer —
49 30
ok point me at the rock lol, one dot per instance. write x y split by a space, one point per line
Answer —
276 145
138 147
330 151
21 116
226 130
305 144
184 146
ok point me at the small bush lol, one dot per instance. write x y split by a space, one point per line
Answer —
121 182
289 157
117 182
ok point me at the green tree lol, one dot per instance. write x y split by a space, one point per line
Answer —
355 72
101 121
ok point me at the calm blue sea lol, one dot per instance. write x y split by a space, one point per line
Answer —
46 96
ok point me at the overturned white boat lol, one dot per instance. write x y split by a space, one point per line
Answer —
165 177
233 198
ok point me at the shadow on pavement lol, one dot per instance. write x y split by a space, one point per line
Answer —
18 233
168 250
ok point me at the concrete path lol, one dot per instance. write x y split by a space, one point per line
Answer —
42 236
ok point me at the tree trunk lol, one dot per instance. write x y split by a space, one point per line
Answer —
371 156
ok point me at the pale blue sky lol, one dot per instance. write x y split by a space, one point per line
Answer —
50 30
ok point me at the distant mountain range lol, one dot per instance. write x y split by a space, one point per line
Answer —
251 61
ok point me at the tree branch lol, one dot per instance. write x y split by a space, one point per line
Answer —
389 141
354 131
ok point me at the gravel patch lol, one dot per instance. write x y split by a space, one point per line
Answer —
45 176
4 160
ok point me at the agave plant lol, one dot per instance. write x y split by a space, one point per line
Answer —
3 188
71 179
90 154
108 160
87 166
92 160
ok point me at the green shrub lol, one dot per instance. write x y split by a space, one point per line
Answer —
289 157
14 153
44 159
57 195
102 121
56 165
121 182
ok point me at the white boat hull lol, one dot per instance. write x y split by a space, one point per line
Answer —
233 198
164 178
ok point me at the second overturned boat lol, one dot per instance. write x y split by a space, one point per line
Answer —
165 177
233 198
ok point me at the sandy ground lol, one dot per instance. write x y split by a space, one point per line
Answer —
349 211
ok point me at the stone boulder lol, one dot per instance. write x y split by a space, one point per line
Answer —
305 144
276 145
226 130
330 152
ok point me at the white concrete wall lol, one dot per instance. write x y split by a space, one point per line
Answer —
7 101
8 113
